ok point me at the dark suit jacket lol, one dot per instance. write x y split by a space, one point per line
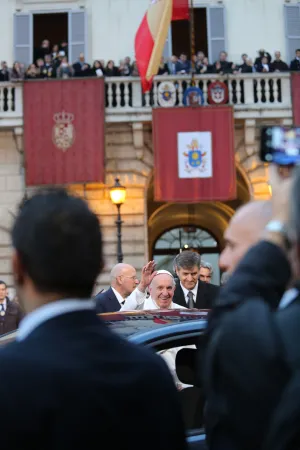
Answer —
249 340
12 318
77 385
107 302
205 295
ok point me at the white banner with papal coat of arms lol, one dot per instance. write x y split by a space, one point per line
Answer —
194 155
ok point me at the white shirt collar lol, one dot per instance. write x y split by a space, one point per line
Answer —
119 296
49 311
4 303
288 298
186 291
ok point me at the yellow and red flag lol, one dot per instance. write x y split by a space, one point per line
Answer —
151 36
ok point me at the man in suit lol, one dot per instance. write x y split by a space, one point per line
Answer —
75 383
191 292
243 232
10 311
124 294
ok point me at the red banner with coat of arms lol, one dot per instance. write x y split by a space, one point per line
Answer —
194 154
64 131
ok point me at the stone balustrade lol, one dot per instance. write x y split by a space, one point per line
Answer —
253 95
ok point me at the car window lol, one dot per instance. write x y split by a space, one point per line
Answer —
191 395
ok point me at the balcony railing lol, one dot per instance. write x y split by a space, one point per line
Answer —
252 95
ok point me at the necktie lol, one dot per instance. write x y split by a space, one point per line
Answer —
2 312
191 304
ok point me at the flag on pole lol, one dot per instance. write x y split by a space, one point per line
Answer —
152 34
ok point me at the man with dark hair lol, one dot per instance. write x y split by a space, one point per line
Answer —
75 384
191 292
10 311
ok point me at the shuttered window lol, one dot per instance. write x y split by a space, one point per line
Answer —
216 32
292 29
77 35
23 37
168 46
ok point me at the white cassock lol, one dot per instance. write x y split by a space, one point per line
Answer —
135 301
168 355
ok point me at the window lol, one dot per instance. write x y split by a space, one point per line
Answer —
172 242
292 30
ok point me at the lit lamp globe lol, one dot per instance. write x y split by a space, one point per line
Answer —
117 193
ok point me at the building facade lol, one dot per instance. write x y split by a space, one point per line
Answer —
104 29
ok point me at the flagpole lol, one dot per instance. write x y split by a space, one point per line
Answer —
192 40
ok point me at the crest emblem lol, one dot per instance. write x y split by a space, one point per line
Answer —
218 93
195 155
166 94
193 96
63 133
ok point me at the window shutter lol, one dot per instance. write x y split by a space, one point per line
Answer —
292 30
23 37
216 32
77 35
168 46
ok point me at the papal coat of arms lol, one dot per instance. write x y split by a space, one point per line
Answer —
63 133
218 93
195 158
166 94
193 96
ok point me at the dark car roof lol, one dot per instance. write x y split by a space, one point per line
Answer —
131 325
134 324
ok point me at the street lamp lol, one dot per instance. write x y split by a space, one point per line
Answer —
118 196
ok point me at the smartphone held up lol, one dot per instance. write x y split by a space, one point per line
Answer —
280 145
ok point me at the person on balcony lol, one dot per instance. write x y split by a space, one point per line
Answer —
81 67
223 66
98 69
65 70
264 66
17 72
278 65
184 65
163 67
48 68
111 70
295 64
246 66
262 54
4 72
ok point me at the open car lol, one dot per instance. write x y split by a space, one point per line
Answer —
162 330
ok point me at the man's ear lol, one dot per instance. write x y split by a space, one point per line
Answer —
18 271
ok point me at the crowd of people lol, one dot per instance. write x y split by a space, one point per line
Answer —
65 355
53 62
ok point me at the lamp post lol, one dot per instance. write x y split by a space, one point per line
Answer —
118 196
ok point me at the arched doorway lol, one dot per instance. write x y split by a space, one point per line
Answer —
173 241
206 221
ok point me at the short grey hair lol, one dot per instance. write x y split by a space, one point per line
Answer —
207 265
187 260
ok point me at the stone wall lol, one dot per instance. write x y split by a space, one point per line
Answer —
11 193
129 157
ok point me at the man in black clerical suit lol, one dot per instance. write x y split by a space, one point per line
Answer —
191 292
75 383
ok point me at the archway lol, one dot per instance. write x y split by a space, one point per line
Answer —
206 219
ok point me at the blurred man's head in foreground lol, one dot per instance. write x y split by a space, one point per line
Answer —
244 231
57 249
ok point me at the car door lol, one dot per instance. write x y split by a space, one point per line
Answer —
189 346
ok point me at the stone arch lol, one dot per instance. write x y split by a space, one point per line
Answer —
212 216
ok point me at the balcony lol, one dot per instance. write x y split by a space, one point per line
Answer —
253 96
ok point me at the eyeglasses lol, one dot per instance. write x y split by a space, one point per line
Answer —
134 277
